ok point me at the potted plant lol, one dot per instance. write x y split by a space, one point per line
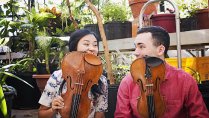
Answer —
27 97
8 26
116 21
61 25
86 17
136 6
164 18
47 51
202 15
167 21
192 14
48 56
10 23
6 90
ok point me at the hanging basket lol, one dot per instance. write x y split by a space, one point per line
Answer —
136 6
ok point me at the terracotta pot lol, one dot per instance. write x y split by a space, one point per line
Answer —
203 19
166 21
41 80
136 6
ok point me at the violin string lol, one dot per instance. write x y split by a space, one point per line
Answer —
150 104
77 98
73 106
74 102
153 113
150 100
153 105
78 92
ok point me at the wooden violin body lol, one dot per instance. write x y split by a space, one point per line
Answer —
80 71
148 73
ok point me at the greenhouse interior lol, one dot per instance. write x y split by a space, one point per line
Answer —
50 51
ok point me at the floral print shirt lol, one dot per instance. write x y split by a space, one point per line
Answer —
52 88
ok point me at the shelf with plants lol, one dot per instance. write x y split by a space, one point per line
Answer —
193 39
116 22
193 14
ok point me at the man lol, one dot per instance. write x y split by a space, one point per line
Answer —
179 90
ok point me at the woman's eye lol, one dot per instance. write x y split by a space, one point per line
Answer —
86 44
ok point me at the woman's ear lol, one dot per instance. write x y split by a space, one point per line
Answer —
161 50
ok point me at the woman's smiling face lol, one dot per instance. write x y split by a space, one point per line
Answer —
88 44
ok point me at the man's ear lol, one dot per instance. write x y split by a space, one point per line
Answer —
161 50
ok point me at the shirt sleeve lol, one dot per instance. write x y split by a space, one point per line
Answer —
195 103
47 95
123 107
50 90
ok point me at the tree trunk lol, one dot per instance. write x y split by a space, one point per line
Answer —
71 16
104 41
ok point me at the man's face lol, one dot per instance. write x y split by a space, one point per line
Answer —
144 46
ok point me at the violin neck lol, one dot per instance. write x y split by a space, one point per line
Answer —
75 105
151 106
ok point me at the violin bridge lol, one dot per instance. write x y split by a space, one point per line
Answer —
149 85
78 84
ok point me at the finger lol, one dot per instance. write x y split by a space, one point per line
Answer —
59 102
57 107
59 97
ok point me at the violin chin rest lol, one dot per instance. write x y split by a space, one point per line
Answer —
153 61
92 59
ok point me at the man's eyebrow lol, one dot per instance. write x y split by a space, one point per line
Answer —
137 43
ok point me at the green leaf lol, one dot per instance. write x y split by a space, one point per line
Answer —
3 105
14 76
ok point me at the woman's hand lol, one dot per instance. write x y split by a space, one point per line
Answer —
49 112
57 103
99 115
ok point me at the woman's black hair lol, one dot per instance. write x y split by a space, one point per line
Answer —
73 42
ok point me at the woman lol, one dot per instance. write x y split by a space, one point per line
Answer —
51 102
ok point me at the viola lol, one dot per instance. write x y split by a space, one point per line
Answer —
149 73
80 71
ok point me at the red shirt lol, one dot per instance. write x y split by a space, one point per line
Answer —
180 92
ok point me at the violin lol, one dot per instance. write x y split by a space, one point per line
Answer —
149 73
80 71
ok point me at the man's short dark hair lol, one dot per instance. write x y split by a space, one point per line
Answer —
159 35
